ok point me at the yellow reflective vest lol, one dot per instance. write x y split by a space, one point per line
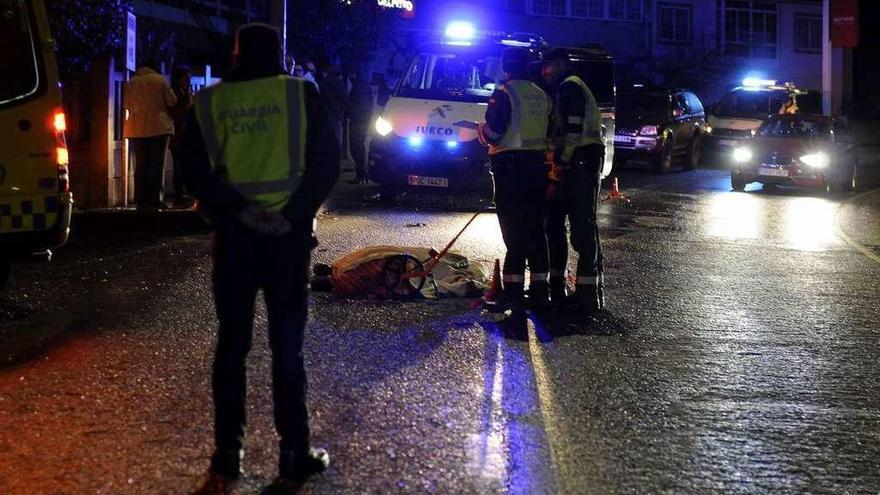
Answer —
592 123
529 118
255 135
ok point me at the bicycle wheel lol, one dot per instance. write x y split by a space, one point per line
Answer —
397 284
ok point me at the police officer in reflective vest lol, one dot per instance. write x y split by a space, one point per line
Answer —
261 157
517 120
579 152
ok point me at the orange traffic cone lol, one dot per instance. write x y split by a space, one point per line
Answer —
494 291
615 194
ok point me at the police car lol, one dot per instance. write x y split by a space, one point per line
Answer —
426 138
743 109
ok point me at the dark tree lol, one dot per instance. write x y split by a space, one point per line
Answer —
346 32
86 30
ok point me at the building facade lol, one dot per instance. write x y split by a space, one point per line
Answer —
708 45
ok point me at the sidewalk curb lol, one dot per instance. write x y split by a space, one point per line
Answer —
843 235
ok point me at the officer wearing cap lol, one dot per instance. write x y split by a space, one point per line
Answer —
579 152
261 158
515 130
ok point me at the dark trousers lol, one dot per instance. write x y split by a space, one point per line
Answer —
177 155
149 169
357 144
521 203
245 262
577 201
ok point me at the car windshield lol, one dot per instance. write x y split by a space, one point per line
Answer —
644 105
18 55
794 128
751 104
465 75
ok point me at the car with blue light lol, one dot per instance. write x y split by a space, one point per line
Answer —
797 150
425 140
739 113
659 125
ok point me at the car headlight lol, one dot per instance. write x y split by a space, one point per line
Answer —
383 127
648 130
742 155
708 129
816 160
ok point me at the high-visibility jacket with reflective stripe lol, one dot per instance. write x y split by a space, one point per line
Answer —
592 122
255 135
529 118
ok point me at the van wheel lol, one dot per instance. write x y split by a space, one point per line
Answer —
693 158
5 269
664 162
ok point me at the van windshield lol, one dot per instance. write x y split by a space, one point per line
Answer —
18 54
599 77
466 75
751 104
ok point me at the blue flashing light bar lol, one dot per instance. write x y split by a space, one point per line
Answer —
416 141
460 30
754 82
452 144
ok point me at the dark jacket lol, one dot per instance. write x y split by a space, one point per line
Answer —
222 203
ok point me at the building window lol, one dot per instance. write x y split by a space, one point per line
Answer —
549 7
674 23
625 10
750 28
808 33
594 9
616 10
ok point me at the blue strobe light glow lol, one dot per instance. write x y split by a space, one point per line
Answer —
460 30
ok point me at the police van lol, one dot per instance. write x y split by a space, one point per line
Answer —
425 140
743 109
35 199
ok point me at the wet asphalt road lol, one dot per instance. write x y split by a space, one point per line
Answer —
739 354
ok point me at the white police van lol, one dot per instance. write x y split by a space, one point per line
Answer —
426 139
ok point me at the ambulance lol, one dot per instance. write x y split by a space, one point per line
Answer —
35 199
425 140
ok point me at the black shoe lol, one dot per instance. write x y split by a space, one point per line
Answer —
227 463
558 293
539 296
298 467
584 300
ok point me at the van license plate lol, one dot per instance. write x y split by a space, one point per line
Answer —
419 180
727 142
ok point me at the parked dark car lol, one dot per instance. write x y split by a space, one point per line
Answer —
659 125
798 150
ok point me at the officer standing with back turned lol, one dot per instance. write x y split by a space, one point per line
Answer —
517 120
261 157
579 153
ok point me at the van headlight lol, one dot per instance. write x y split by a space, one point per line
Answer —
742 155
383 127
816 160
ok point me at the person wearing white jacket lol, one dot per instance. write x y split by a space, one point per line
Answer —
149 127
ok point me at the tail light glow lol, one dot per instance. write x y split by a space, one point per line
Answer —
59 122
62 158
